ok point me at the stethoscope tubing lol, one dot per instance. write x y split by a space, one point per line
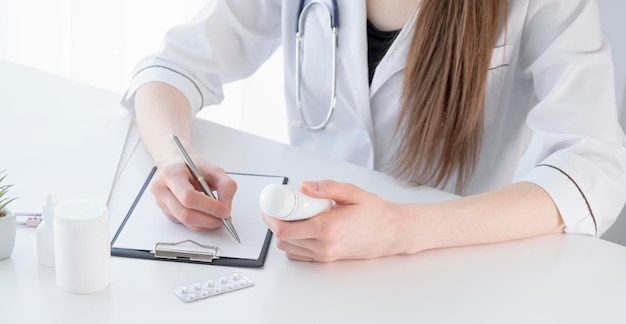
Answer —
334 23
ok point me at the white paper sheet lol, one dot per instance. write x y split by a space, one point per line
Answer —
147 225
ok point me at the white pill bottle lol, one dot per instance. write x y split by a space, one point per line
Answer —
81 246
286 203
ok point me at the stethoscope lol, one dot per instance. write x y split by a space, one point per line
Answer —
333 12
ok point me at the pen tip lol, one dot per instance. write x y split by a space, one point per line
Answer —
231 230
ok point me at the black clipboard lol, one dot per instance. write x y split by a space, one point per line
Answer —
203 255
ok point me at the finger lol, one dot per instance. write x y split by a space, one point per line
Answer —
341 193
193 199
166 211
160 193
193 219
196 227
297 250
296 257
178 213
298 230
196 220
225 185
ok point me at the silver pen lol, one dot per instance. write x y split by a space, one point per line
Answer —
205 187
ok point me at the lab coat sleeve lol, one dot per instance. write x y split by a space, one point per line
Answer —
582 159
228 40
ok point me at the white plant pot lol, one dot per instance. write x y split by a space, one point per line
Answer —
7 234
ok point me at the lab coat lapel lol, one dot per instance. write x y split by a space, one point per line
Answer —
352 56
394 60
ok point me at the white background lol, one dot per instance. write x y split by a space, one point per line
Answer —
98 42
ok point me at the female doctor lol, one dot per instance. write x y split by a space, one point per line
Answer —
510 104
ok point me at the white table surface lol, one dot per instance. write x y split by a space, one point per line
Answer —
51 129
549 279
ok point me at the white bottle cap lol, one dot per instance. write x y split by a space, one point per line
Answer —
81 214
277 200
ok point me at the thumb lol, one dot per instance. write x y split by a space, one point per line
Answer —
341 193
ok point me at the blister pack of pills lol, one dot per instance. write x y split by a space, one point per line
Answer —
213 286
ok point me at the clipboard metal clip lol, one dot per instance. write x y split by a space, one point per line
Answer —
206 253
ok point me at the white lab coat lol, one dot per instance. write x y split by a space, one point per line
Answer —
550 112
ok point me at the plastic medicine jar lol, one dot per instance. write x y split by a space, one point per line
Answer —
81 246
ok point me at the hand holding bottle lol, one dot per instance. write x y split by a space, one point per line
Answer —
286 203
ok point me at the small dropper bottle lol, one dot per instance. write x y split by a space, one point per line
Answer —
45 233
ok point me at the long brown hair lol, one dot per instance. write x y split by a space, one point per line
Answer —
441 116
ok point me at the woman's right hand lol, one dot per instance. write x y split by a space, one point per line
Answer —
181 199
161 111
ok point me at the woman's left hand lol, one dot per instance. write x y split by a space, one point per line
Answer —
361 225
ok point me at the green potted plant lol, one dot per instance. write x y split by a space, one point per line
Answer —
7 220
